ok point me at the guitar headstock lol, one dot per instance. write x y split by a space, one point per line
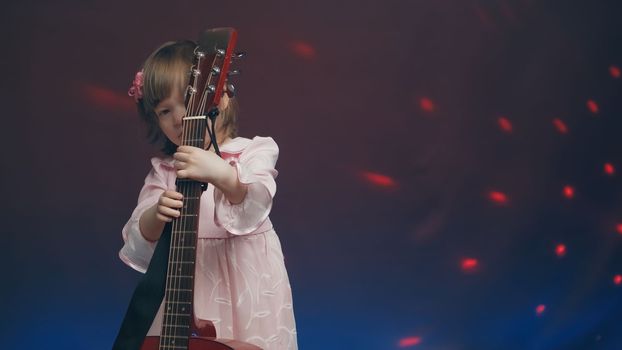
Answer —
210 72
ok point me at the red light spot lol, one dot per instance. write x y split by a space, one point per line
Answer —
617 280
568 192
504 124
498 197
614 71
592 106
619 228
609 169
303 49
560 126
469 265
107 98
379 180
540 309
426 104
560 250
409 341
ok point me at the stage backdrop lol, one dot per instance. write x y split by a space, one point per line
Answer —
449 170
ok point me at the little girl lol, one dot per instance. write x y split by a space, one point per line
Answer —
241 284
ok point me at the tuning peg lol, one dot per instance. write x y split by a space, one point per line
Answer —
211 88
215 70
220 52
238 55
233 72
230 90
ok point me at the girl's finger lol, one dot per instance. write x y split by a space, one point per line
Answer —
173 194
181 156
163 218
172 203
166 211
185 149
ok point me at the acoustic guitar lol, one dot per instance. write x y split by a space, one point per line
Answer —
180 329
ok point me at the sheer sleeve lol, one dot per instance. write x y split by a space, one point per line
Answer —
256 168
137 250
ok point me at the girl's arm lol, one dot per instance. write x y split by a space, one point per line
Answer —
230 185
138 248
255 170
206 166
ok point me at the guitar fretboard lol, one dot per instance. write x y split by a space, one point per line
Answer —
178 302
207 79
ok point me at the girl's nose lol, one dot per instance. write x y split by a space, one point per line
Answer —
179 117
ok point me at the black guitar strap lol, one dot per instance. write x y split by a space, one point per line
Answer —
146 299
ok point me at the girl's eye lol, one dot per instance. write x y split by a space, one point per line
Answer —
163 112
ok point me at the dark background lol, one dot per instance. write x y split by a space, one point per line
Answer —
409 217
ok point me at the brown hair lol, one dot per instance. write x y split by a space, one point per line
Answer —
165 69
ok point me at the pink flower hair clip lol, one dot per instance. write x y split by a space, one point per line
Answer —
136 89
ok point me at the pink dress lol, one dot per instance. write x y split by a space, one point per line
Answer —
241 284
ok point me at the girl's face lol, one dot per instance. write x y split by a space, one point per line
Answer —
170 113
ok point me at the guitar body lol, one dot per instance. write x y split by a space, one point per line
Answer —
201 343
203 337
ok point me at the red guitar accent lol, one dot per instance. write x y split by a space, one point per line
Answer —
180 330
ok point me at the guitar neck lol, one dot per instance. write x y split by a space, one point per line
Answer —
179 293
178 302
208 75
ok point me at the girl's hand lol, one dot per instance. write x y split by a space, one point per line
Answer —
168 206
201 165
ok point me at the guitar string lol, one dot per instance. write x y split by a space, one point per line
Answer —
188 139
172 290
192 193
190 234
189 194
194 132
198 130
